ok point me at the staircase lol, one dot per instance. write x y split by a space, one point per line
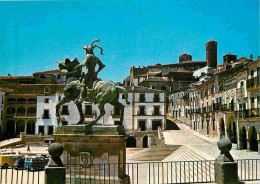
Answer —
185 165
155 153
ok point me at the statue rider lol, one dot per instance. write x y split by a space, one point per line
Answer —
90 76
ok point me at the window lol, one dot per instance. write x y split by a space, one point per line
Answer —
41 130
2 99
1 114
252 73
88 109
156 98
123 96
46 114
142 125
156 110
141 110
252 102
46 100
50 130
58 76
202 122
64 123
142 98
65 110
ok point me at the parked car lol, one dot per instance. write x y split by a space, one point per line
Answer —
19 163
8 159
37 162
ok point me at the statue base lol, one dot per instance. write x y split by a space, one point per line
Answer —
98 148
226 172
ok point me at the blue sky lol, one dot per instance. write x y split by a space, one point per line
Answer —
35 35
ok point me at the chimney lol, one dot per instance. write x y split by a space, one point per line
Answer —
9 75
251 56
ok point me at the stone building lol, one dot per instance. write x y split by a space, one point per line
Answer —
224 103
20 108
142 118
247 115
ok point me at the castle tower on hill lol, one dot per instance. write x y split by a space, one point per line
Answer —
211 53
185 57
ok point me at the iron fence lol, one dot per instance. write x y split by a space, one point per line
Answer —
201 171
12 175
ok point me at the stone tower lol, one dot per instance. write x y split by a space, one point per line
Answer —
211 53
185 57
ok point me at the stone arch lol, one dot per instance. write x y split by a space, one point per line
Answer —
131 142
10 128
242 137
30 127
252 138
21 111
31 111
232 97
10 111
222 128
231 129
20 125
145 141
171 125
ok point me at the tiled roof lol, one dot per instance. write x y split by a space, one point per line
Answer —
141 89
37 89
50 71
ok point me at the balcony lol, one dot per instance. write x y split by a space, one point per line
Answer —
217 107
241 93
253 83
248 113
10 115
20 115
31 114
204 110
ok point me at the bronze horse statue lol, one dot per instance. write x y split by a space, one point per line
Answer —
102 92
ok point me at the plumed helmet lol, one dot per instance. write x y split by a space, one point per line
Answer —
89 48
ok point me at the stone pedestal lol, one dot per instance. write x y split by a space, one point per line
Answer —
55 171
54 175
226 172
94 146
225 166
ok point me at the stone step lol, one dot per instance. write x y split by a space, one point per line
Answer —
184 155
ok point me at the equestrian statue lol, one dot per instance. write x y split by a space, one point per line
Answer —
85 86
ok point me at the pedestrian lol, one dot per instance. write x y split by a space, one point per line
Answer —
28 148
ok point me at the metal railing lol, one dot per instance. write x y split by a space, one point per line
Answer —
248 113
200 171
144 172
11 175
